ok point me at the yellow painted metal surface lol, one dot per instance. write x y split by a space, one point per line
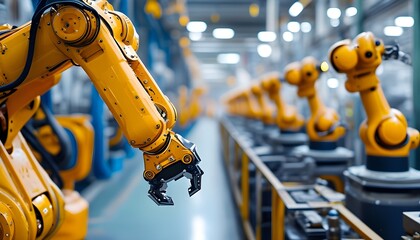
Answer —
322 124
385 131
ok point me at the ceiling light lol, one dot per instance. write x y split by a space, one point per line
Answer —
195 36
324 66
393 31
333 13
267 36
196 26
264 50
295 9
293 27
335 22
305 27
228 58
332 82
223 33
404 21
288 36
351 11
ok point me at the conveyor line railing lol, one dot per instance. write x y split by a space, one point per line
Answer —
241 161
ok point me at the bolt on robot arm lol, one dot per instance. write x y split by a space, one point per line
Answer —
287 119
103 42
385 132
324 123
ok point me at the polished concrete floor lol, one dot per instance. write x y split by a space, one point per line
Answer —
121 209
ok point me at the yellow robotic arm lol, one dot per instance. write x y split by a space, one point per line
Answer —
196 107
385 132
265 110
183 105
103 42
240 102
323 125
287 119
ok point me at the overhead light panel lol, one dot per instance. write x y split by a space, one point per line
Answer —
332 83
195 36
295 9
228 58
196 26
404 21
333 13
223 33
288 36
305 27
393 31
351 11
293 27
264 50
267 36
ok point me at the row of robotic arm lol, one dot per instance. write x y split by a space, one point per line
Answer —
377 192
384 132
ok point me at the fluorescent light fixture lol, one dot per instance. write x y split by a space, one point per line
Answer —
404 21
195 36
333 13
332 82
393 31
267 36
335 22
295 9
288 36
223 33
228 58
196 26
293 27
351 11
305 27
264 50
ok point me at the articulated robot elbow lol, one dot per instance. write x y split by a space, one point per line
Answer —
109 58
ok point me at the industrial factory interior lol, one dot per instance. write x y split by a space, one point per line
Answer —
209 119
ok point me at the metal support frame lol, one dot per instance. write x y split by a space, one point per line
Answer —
238 170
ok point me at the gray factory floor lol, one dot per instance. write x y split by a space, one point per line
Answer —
121 209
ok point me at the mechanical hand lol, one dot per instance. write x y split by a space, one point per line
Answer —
385 131
324 123
288 119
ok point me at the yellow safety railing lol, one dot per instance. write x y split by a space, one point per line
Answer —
239 166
